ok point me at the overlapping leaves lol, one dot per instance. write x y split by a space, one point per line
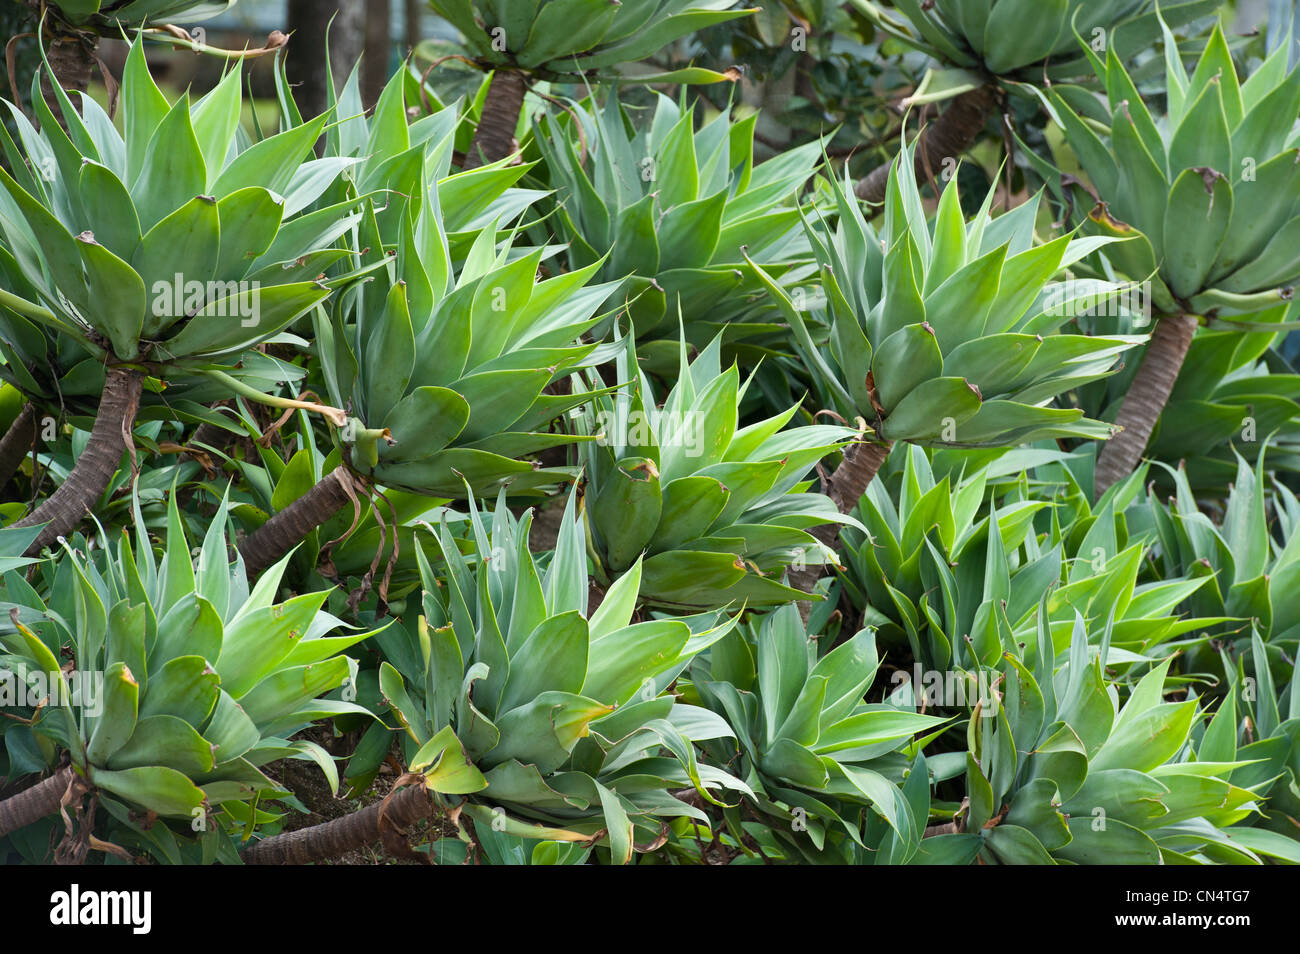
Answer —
169 243
517 697
718 510
947 333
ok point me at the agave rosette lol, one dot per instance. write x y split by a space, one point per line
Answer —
828 767
460 337
204 680
1058 771
1249 577
452 377
947 335
954 563
675 206
1257 725
718 510
385 151
1023 40
110 15
166 245
1207 193
539 712
578 36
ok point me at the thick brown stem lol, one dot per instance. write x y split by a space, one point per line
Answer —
212 435
350 833
208 435
17 442
947 828
284 531
1146 398
72 59
495 137
33 804
949 136
862 461
110 436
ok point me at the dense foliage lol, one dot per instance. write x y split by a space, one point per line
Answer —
567 470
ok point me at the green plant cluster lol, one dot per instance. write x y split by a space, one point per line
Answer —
553 469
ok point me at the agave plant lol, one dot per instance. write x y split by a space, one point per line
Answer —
943 337
532 716
1248 575
719 511
827 767
1058 772
1205 195
389 149
990 47
1257 723
158 254
443 388
203 679
955 563
674 205
521 39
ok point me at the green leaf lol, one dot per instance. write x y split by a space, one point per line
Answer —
628 660
176 260
271 163
1196 223
931 410
1021 32
243 318
248 221
636 245
1013 845
553 658
256 642
216 117
155 788
446 767
185 687
118 293
627 510
1113 844
1202 138
905 360
617 606
959 308
173 172
1148 740
165 740
688 233
424 422
389 357
110 213
117 722
545 731
143 106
